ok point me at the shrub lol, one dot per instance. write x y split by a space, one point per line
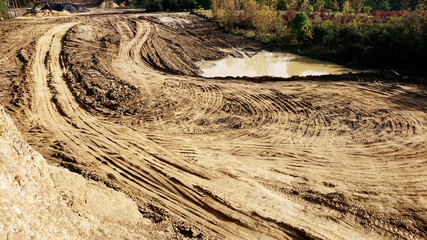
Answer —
357 5
309 9
346 7
4 5
205 4
300 27
366 9
231 13
324 33
335 6
250 7
154 6
282 4
319 5
264 20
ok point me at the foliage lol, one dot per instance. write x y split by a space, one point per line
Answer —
301 28
282 4
357 5
376 38
335 6
154 6
366 9
309 9
385 5
178 4
172 5
205 4
4 5
319 5
250 8
264 20
324 33
346 7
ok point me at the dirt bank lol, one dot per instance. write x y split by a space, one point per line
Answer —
117 99
65 204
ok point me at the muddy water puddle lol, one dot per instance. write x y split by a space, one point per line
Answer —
266 63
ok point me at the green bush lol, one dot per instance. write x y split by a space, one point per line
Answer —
178 4
154 6
300 27
3 8
324 33
264 20
309 9
385 5
366 9
172 5
399 43
205 4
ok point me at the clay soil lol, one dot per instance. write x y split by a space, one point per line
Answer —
118 99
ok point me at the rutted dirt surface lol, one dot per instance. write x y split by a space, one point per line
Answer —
117 98
38 201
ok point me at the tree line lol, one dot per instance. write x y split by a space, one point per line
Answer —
316 5
170 5
373 38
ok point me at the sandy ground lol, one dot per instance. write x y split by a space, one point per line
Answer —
117 99
37 200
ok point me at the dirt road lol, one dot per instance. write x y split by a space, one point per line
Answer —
117 99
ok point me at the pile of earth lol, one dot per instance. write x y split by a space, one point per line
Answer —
108 4
75 207
46 13
72 8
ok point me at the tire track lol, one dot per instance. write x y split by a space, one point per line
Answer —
249 160
160 182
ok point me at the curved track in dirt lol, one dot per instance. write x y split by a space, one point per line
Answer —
291 159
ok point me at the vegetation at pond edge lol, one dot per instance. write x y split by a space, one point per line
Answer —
359 33
171 5
4 5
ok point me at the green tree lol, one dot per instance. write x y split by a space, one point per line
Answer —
346 7
300 27
404 5
324 33
231 13
304 4
264 20
292 4
4 5
283 4
309 9
385 5
328 4
335 6
357 5
319 5
366 9
206 4
154 6
422 5
250 7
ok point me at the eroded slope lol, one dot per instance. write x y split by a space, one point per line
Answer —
45 202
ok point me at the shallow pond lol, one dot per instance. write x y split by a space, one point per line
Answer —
266 63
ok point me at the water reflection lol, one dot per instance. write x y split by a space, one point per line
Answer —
262 63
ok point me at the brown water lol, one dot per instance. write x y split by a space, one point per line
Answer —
264 63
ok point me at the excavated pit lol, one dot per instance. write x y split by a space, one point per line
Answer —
118 99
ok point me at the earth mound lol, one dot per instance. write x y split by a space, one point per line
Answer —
59 199
46 13
72 8
108 4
